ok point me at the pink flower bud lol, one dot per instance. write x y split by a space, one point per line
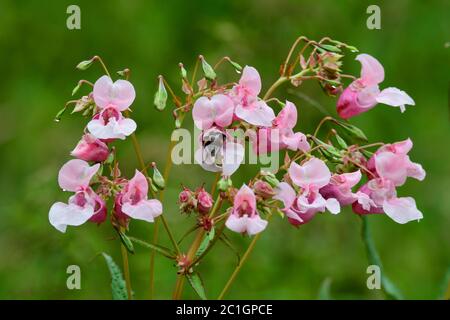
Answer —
263 189
204 201
185 196
91 149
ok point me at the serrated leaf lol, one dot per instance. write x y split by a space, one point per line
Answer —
160 99
118 286
387 285
209 72
163 250
324 291
197 284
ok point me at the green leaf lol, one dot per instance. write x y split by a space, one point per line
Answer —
374 259
196 283
324 291
83 65
163 250
160 99
126 241
118 286
209 72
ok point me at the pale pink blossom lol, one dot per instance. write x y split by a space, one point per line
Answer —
218 152
119 94
244 217
313 174
85 204
133 202
392 162
340 187
217 110
363 94
89 148
110 124
245 96
384 198
281 135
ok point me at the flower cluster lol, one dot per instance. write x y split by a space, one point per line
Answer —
110 99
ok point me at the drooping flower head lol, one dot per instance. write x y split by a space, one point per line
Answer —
363 94
392 162
85 204
133 202
384 198
245 96
89 148
244 217
310 177
340 187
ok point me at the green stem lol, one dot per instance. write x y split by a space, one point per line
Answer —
239 266
126 270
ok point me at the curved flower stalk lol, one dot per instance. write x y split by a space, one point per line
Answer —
323 171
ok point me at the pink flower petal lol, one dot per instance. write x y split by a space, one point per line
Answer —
146 210
251 80
287 117
219 109
62 215
395 97
233 156
286 194
76 174
255 225
314 172
236 223
372 72
258 114
120 94
402 210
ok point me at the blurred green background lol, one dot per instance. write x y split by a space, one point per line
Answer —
38 56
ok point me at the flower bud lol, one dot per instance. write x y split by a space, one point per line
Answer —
89 148
160 99
187 201
204 201
263 189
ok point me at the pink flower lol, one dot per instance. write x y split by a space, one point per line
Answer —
215 111
244 218
392 162
310 177
91 149
119 94
340 187
383 198
363 94
218 152
85 204
204 201
112 98
110 124
245 97
313 174
132 201
281 135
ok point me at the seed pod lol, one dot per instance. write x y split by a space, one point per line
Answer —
160 99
